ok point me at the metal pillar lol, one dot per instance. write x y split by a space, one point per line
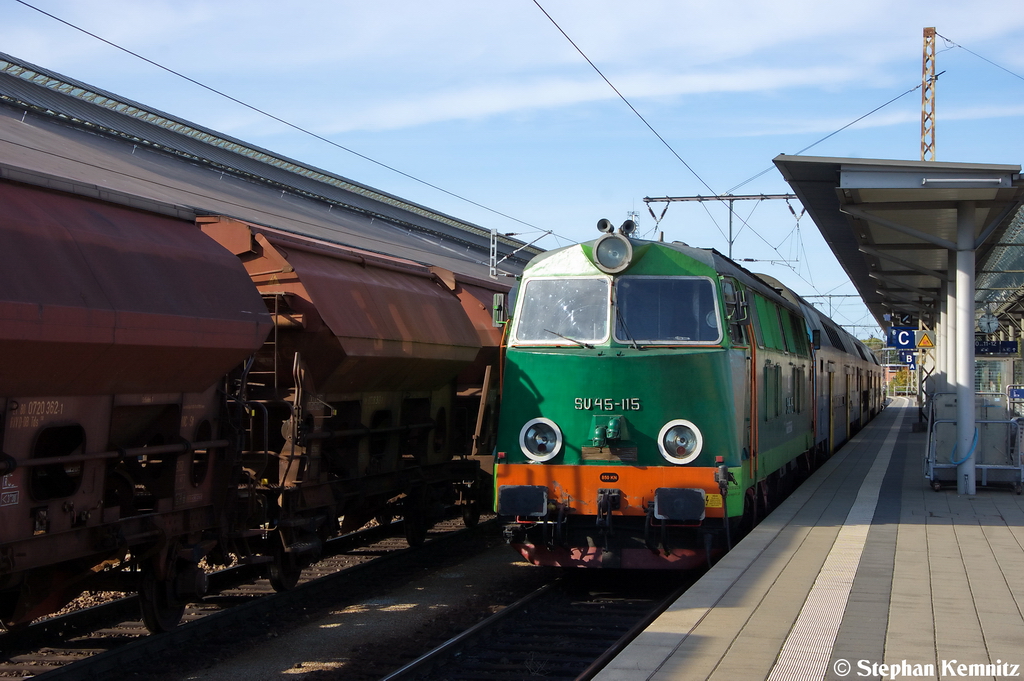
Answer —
730 228
951 334
965 426
942 341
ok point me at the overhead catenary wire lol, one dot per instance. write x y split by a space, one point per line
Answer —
274 117
622 97
985 59
831 134
894 99
655 132
745 223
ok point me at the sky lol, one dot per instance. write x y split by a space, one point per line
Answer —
486 111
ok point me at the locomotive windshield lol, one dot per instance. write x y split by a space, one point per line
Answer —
562 311
666 310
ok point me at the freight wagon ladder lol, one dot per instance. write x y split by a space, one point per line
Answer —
267 355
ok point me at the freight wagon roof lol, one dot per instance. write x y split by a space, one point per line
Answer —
108 300
64 134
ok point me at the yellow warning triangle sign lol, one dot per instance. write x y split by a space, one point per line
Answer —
925 340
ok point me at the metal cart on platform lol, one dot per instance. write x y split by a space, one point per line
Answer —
997 448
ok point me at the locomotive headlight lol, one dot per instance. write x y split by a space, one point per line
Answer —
540 439
680 441
613 253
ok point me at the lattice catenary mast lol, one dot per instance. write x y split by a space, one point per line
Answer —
928 96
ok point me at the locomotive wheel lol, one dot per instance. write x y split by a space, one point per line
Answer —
160 610
283 572
749 518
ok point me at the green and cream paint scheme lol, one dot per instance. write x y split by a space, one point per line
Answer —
651 390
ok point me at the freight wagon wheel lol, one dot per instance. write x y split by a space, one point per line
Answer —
414 515
160 609
415 530
8 603
471 514
283 572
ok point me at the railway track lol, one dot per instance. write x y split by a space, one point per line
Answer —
102 640
566 630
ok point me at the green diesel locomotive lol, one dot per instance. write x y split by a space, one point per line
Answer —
658 400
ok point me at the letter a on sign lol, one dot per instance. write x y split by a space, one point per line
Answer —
925 340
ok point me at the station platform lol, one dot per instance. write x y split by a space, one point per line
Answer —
864 565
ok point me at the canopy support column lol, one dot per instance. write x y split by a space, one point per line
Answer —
951 323
965 427
942 341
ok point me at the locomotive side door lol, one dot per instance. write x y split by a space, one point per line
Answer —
741 332
749 409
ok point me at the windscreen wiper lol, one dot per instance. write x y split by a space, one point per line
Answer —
625 328
580 343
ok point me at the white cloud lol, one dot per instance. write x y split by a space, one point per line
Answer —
395 64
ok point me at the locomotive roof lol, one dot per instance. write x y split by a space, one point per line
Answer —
63 134
706 256
765 285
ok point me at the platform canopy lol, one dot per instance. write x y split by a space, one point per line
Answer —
892 225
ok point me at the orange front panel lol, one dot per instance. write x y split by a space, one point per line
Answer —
577 486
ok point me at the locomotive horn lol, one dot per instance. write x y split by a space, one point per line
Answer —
627 228
605 225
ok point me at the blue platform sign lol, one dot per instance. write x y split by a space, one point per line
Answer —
987 347
909 358
902 337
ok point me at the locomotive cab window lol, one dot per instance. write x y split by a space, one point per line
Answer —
667 311
564 311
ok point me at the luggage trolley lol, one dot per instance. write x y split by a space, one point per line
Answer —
998 441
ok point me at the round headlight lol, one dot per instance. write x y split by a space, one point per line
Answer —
680 441
613 253
540 439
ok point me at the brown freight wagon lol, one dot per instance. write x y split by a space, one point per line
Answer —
369 394
117 328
